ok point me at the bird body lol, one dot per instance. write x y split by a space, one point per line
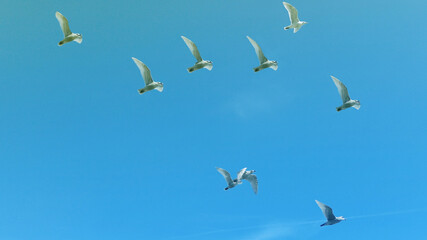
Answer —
263 61
296 24
327 211
146 75
269 64
200 62
68 35
347 101
199 65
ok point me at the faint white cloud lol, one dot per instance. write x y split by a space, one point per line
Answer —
271 232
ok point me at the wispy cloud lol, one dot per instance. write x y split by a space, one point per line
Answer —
271 232
262 232
389 213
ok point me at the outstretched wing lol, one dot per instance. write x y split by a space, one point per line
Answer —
254 182
341 89
327 211
192 48
145 72
63 22
258 51
240 174
226 175
292 11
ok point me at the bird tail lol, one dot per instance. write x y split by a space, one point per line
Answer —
141 91
191 69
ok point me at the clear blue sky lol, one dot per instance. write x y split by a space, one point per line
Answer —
84 156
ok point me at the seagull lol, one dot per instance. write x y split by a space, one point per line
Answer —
347 102
242 174
250 177
68 35
327 211
146 75
200 62
296 24
263 61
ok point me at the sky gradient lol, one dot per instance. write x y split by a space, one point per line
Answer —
84 156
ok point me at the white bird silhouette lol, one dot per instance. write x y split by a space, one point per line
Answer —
242 174
296 24
263 61
68 35
250 177
327 211
200 62
347 102
146 75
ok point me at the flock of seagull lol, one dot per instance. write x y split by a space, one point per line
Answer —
243 174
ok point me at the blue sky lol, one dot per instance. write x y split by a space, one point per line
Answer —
84 156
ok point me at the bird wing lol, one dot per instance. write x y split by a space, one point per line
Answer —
226 175
254 182
327 211
240 174
292 11
258 51
341 89
192 48
63 22
145 72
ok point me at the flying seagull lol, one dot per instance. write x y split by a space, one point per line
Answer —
146 75
250 177
327 211
242 174
68 35
263 61
347 102
296 24
200 62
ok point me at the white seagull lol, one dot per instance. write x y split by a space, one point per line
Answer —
146 75
347 102
263 61
327 211
68 35
200 62
242 174
250 177
296 24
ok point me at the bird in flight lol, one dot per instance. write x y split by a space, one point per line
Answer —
347 102
327 211
146 75
200 62
68 35
296 24
241 175
263 61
